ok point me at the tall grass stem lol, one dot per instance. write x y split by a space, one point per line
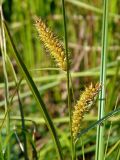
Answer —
23 127
101 128
68 79
4 59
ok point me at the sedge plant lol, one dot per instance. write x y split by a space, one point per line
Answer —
88 97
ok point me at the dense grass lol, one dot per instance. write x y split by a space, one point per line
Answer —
37 98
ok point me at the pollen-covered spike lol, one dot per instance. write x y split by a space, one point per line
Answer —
51 42
84 104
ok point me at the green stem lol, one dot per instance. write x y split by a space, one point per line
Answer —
83 152
3 49
68 80
23 127
100 128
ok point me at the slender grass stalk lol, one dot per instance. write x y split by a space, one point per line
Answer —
20 106
113 148
30 139
108 140
1 150
83 151
109 132
68 80
72 89
118 155
28 38
112 91
3 49
23 127
101 128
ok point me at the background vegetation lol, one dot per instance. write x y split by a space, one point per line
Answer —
84 28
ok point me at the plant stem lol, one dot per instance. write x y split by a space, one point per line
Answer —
3 49
83 152
68 80
100 128
23 127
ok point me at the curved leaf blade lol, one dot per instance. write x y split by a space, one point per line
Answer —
35 92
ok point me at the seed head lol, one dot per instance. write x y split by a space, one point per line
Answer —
52 43
84 104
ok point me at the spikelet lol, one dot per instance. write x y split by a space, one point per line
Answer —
83 105
51 43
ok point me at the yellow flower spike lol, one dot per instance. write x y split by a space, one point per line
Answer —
84 104
51 42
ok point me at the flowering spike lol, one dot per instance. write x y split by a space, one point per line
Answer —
83 105
51 43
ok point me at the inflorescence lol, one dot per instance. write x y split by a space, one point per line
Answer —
84 104
51 42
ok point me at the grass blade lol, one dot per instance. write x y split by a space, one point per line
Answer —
35 92
100 121
1 152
